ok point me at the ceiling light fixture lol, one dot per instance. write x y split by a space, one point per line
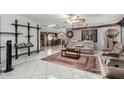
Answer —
73 20
52 25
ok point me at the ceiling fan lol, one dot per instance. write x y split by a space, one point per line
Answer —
76 20
71 20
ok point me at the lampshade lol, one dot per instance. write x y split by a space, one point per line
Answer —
111 33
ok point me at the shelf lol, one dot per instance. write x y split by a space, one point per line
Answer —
2 46
24 45
25 53
29 36
20 25
24 26
10 33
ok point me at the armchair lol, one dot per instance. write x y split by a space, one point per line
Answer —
113 61
115 68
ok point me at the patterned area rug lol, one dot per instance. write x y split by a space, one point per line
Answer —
87 63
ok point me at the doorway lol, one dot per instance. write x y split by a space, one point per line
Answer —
42 40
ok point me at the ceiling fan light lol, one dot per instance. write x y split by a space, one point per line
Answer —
69 21
52 25
74 17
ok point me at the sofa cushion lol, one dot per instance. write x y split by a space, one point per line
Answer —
84 46
79 44
88 43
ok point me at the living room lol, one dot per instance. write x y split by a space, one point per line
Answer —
61 46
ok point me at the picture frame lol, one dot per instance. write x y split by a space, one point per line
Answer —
89 34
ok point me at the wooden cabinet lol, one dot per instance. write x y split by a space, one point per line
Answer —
54 42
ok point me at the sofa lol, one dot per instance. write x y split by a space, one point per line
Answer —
113 60
85 46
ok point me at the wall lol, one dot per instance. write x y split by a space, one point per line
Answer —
101 38
6 21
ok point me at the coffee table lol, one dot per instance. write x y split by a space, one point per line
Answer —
70 53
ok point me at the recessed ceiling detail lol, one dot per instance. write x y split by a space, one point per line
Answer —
60 19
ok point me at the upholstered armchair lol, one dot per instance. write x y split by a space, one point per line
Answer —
115 51
113 60
115 68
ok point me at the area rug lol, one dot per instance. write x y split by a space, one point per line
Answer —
85 62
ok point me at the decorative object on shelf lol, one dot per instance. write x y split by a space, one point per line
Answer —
24 45
20 45
29 44
111 33
89 34
70 34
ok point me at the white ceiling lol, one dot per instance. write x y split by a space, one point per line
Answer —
46 18
59 19
91 19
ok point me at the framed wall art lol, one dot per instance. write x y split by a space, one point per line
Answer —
89 34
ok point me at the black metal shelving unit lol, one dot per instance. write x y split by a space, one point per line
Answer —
38 28
28 38
28 26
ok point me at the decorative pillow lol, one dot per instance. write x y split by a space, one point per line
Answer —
118 48
118 45
88 43
79 44
74 41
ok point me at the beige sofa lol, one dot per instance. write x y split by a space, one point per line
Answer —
113 61
85 46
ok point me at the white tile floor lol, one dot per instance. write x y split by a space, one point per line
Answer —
34 68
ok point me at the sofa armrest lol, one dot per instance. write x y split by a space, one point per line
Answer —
115 63
117 59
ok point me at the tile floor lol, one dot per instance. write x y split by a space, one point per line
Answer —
34 68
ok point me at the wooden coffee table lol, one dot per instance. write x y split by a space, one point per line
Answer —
71 53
